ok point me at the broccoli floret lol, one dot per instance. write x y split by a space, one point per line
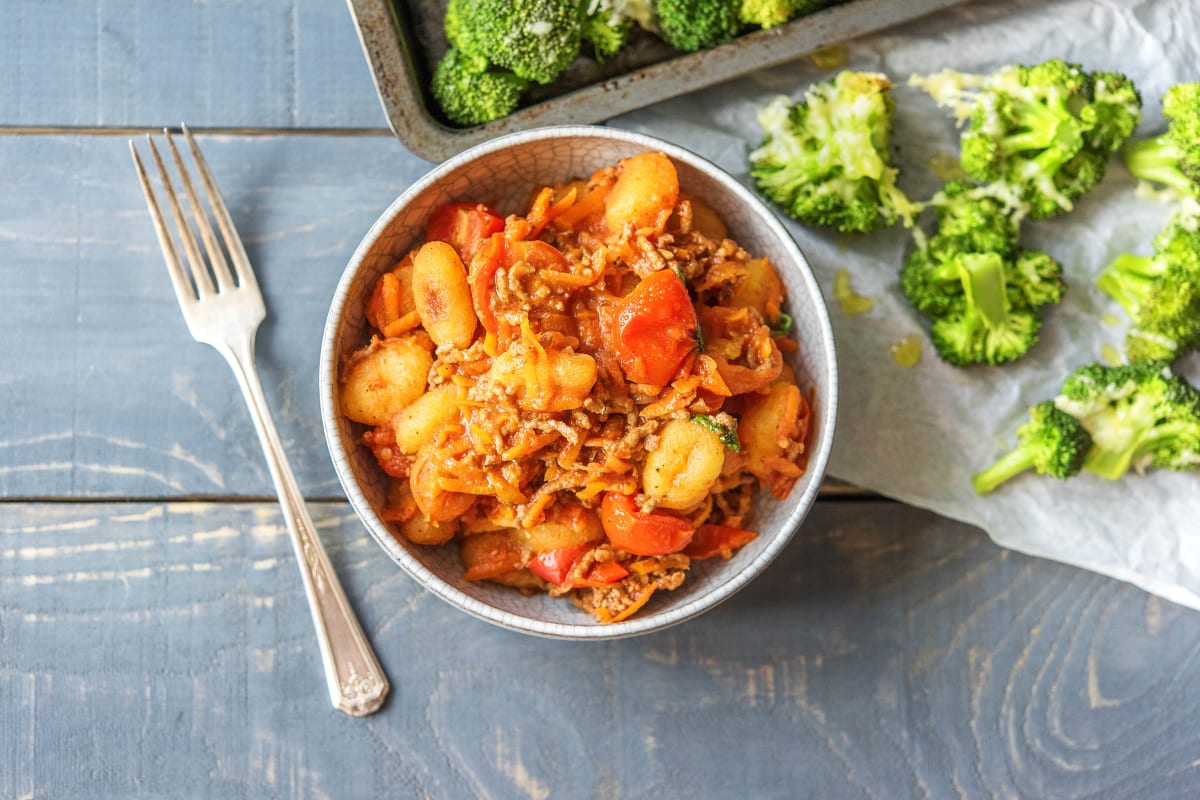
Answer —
972 219
769 13
985 327
983 306
697 24
766 13
1160 293
535 39
1045 129
826 161
607 24
470 92
1114 113
1035 280
1138 415
1073 180
459 34
979 289
931 285
1172 159
606 38
1051 443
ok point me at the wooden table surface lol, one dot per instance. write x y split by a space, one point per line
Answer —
154 640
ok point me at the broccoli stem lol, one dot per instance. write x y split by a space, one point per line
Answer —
1128 280
1043 127
892 198
1113 463
1009 466
982 276
1157 160
1110 464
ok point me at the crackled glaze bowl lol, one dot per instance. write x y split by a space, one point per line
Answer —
505 173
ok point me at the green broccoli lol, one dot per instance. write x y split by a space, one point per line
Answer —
769 13
470 92
973 219
1138 415
826 160
1172 159
607 23
726 433
970 219
1074 180
535 39
605 37
1051 443
991 322
1160 293
980 291
458 33
697 24
1045 129
1114 113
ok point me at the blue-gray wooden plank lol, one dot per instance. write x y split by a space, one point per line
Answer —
165 650
262 63
104 392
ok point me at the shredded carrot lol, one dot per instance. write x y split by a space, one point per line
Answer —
629 610
681 393
537 509
570 454
644 566
402 325
591 204
713 382
591 490
614 464
529 445
489 344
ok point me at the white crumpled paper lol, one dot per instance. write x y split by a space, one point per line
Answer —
918 434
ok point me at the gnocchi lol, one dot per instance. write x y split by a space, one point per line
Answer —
680 472
584 397
383 378
441 295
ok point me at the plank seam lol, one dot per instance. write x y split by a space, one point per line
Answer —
71 130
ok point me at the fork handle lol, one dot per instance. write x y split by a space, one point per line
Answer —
357 684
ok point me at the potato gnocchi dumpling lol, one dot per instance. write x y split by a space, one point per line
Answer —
383 378
586 396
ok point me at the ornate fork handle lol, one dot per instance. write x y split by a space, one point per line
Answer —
357 684
221 302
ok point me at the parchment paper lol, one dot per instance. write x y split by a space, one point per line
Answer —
918 434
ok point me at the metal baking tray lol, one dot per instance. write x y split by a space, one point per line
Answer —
404 40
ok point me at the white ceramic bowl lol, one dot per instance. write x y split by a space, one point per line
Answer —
504 172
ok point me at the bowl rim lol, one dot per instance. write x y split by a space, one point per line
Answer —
693 606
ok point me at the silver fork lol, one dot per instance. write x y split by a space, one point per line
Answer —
223 307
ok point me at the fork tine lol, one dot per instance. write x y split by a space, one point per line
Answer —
233 242
184 290
200 274
216 256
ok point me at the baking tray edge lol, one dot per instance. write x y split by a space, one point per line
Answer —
389 49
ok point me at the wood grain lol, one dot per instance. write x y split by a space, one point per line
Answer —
887 653
296 63
106 394
163 649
